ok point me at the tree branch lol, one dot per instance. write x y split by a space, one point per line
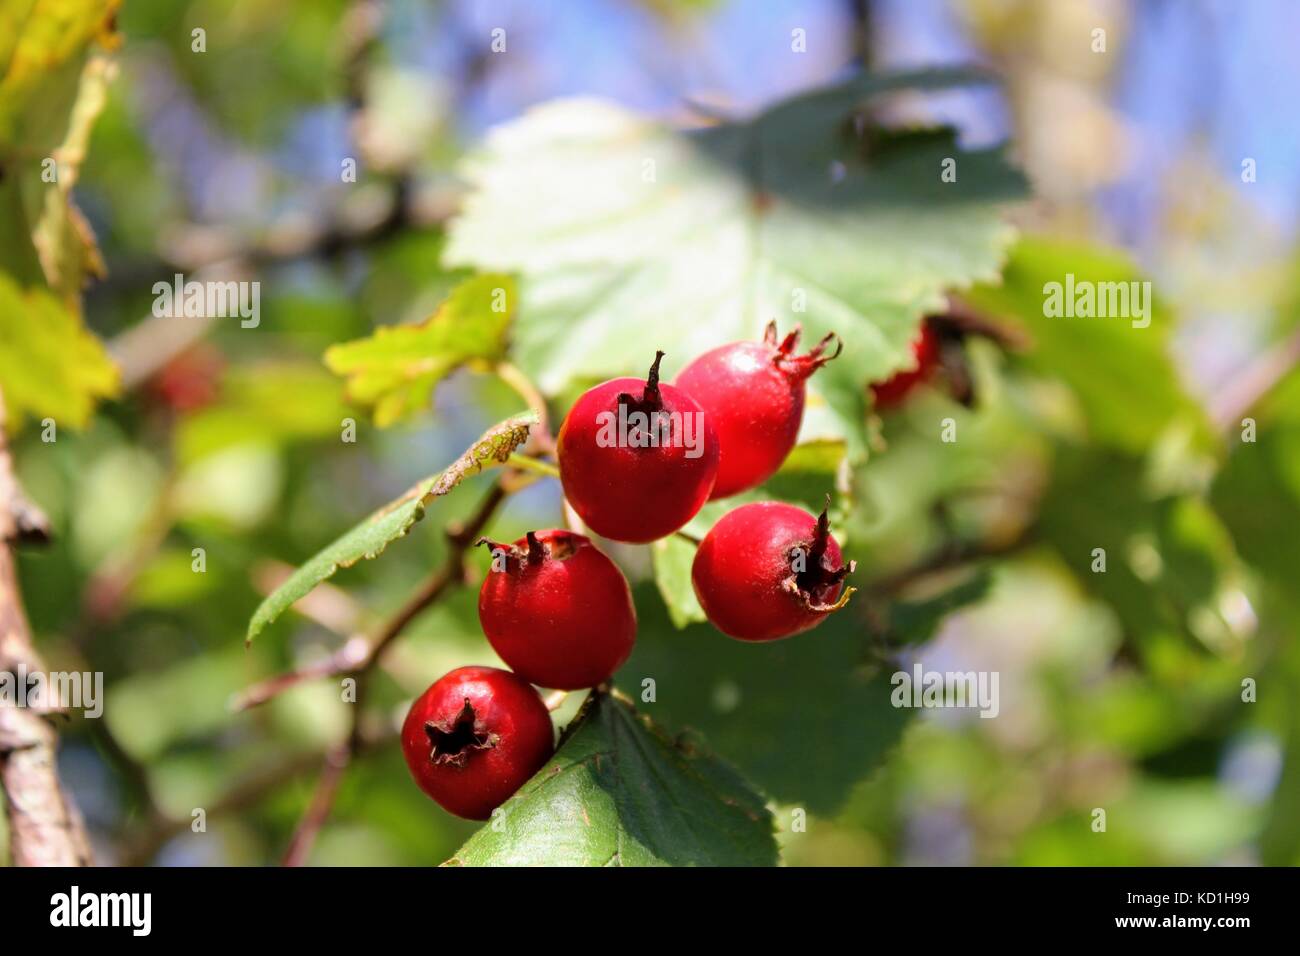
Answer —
45 828
451 574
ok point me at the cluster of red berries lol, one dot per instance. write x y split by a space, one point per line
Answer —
638 459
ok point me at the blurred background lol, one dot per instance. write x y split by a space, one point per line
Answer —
1121 691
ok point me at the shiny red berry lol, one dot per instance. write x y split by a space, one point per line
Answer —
926 353
769 570
557 610
637 458
753 394
474 737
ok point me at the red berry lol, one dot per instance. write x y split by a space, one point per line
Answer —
769 570
189 381
753 394
925 350
557 610
474 737
637 468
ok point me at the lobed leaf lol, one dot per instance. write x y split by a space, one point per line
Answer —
396 370
630 236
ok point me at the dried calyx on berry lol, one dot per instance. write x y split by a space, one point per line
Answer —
768 570
531 554
753 394
815 575
800 365
451 739
474 737
557 610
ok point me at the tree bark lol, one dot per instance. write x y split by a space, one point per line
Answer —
45 828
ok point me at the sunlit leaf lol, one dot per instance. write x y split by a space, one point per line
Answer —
672 558
369 539
396 370
50 366
53 83
621 792
631 236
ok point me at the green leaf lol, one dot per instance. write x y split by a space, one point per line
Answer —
369 539
49 364
672 558
1168 559
805 718
272 402
396 370
1123 376
1257 492
53 85
631 236
620 792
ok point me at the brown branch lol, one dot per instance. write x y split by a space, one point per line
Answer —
45 828
322 802
451 574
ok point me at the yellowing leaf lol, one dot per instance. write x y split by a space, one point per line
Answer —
49 364
395 371
52 87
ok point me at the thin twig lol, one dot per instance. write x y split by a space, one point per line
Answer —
451 574
144 843
540 439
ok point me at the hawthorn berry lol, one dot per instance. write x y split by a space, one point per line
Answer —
637 458
926 353
768 570
474 737
557 610
753 394
189 381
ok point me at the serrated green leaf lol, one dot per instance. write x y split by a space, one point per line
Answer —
369 539
631 236
396 370
620 792
49 364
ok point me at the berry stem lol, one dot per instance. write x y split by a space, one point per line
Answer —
651 400
651 394
535 465
536 552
